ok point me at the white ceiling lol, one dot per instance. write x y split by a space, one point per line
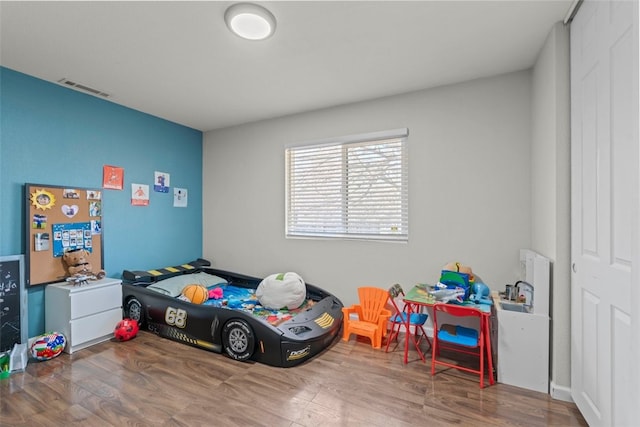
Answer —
178 61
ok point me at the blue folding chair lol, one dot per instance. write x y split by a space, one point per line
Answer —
399 318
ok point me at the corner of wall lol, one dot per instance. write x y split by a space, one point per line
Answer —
560 392
551 225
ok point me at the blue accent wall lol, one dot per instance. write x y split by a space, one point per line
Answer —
53 135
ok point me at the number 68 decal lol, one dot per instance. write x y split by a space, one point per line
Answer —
175 317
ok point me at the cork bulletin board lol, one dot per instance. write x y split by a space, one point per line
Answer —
59 219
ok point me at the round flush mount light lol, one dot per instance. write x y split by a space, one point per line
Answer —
250 21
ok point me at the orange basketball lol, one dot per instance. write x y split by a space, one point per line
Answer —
197 294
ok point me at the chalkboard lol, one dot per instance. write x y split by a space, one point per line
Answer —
60 219
13 303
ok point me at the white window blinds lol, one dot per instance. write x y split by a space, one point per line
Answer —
351 187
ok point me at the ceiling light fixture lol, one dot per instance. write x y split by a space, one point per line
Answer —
250 21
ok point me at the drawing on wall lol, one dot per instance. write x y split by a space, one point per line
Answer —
139 195
112 177
179 197
161 182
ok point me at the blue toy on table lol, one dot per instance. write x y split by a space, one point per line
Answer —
480 294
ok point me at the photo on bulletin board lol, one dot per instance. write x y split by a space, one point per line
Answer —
13 303
61 219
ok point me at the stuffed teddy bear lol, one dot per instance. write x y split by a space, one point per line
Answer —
77 262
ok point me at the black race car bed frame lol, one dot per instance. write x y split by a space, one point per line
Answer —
236 332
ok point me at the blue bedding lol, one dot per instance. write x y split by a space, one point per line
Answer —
237 298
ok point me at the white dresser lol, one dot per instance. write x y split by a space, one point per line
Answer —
85 314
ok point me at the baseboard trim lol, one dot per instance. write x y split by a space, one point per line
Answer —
560 392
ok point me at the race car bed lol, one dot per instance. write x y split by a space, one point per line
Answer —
235 324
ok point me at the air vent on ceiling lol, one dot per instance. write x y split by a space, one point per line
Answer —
83 88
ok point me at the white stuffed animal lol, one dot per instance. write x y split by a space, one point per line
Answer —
282 290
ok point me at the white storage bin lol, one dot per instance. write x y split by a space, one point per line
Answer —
18 358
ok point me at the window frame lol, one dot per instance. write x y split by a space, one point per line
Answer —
345 143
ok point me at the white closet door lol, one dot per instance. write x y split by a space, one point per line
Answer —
604 126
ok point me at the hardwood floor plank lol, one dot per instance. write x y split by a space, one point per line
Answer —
150 381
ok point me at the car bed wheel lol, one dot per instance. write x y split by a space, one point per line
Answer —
133 310
238 339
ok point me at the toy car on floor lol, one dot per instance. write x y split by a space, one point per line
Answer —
232 321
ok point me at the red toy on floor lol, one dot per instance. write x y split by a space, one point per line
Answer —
126 329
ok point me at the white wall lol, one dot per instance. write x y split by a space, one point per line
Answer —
551 176
469 189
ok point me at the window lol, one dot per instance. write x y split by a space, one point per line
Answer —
350 187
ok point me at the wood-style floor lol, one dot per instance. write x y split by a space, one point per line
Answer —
151 381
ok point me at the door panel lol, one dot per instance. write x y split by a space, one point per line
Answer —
590 389
622 390
604 122
589 159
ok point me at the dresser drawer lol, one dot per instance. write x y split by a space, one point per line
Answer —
93 301
95 328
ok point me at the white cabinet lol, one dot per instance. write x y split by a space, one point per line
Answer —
523 350
85 314
523 338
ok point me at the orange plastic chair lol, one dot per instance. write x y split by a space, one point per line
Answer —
372 316
399 318
458 338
